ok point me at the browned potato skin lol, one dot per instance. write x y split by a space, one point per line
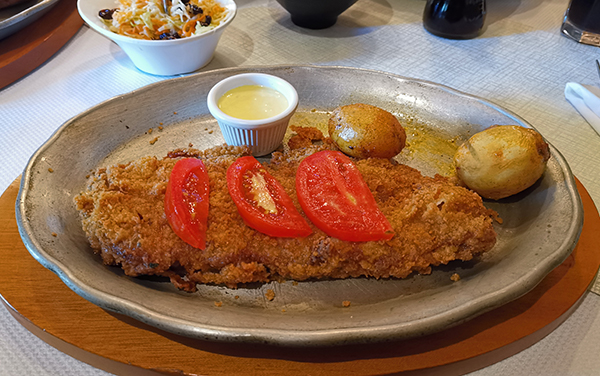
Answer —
364 131
502 160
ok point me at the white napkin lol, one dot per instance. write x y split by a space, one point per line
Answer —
586 100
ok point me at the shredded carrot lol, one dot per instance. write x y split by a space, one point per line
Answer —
190 26
157 22
125 28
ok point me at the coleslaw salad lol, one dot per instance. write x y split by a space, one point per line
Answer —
146 19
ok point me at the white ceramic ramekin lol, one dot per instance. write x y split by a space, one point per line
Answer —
160 57
262 136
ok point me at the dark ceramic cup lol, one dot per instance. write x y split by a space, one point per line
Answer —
315 14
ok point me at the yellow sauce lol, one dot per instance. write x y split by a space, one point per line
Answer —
252 102
427 149
427 146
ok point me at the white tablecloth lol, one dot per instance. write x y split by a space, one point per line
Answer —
521 62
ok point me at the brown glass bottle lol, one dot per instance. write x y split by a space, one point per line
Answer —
454 19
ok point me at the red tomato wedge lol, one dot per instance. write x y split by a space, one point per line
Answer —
262 202
337 200
186 201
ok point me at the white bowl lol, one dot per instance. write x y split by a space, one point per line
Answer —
262 136
160 57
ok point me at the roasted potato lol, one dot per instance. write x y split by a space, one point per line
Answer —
502 160
363 131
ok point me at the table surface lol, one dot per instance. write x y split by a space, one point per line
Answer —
521 62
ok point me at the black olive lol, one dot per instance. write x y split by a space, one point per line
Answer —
169 36
106 14
207 21
195 9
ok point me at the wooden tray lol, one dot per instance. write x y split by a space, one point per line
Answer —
39 300
29 48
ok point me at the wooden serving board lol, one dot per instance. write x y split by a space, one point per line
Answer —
30 47
40 301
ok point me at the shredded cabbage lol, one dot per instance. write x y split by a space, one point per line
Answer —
145 19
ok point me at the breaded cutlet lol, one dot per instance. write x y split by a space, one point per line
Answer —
122 213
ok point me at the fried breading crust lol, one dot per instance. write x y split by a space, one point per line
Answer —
122 213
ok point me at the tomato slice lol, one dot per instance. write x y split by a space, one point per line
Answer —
337 200
186 201
262 202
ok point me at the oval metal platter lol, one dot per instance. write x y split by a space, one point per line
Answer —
540 226
16 17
